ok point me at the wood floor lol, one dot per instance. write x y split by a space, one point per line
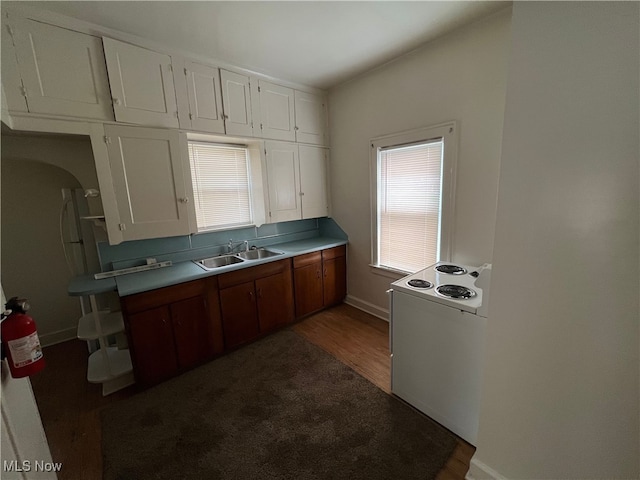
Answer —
70 406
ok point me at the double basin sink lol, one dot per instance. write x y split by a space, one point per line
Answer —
233 258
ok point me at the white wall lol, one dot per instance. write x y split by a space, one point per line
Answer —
561 394
33 262
458 77
72 153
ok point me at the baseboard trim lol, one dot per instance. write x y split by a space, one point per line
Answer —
480 471
48 339
365 306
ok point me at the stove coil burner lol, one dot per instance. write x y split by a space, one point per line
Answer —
455 291
451 269
417 283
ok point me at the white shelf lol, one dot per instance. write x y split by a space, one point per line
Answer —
110 324
118 383
110 366
107 364
98 221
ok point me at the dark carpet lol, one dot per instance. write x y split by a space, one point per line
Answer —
280 408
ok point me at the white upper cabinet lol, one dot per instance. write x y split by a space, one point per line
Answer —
142 86
147 171
199 95
63 71
276 111
283 181
236 99
12 90
313 181
292 115
311 118
296 181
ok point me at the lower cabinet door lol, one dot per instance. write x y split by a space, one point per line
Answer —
154 354
275 301
239 314
193 336
308 289
335 280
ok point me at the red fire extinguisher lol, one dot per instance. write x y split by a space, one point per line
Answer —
20 339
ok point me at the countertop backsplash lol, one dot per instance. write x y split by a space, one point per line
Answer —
193 247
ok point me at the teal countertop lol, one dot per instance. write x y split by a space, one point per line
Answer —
186 271
88 285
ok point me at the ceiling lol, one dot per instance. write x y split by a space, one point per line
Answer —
319 44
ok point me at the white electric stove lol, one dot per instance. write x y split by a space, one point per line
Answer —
438 321
456 285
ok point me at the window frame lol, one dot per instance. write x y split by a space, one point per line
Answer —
448 132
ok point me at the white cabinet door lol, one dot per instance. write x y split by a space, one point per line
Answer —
12 90
63 71
236 98
313 181
283 174
148 179
311 118
141 85
205 97
276 111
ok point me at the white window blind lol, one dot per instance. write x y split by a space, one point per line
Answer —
221 185
409 205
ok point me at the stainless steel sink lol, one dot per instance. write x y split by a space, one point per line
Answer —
258 254
231 259
217 262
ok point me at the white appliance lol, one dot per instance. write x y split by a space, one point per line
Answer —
438 321
74 205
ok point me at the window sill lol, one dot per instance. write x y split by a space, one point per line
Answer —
388 272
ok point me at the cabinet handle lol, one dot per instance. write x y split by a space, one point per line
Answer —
251 296
116 101
259 293
226 117
325 272
317 273
296 128
184 200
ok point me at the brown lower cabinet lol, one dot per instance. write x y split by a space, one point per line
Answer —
334 275
320 280
173 329
255 301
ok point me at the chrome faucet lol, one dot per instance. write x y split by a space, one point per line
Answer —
233 244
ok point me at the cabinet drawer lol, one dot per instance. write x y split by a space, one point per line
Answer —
334 252
163 296
307 259
237 277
